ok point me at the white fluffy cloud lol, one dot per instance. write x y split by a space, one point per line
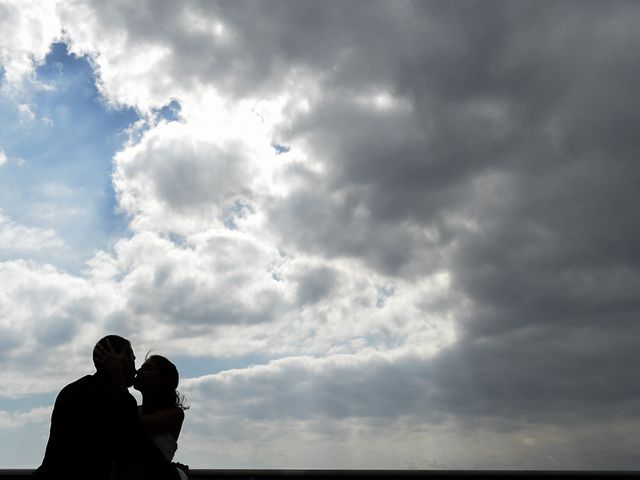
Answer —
45 314
28 28
21 239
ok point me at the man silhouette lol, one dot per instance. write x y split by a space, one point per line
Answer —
95 431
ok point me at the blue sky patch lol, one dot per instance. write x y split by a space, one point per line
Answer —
280 148
59 141
170 112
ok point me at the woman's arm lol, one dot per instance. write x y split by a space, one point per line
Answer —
168 420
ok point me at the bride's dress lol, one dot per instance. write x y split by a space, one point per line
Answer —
168 446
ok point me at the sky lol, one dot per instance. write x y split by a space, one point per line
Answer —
370 234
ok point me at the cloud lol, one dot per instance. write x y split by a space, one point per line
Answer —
29 29
315 285
378 407
21 239
175 174
337 386
196 286
47 313
3 158
448 386
224 293
13 420
25 114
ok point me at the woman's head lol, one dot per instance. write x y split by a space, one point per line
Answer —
157 380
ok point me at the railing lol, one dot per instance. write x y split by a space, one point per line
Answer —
237 474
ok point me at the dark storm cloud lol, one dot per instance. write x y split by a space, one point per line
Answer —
552 271
524 123
340 231
507 87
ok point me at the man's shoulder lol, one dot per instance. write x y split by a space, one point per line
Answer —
97 387
85 386
82 383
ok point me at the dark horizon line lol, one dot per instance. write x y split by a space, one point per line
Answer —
324 473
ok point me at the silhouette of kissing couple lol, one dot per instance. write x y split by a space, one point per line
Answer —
99 432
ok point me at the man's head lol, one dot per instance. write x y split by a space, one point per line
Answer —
120 346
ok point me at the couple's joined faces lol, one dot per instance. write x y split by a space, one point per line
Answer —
130 365
148 376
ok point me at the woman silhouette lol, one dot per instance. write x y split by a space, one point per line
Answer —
162 410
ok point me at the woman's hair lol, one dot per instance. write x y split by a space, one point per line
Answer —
168 395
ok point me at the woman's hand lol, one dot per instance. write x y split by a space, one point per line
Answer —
112 362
